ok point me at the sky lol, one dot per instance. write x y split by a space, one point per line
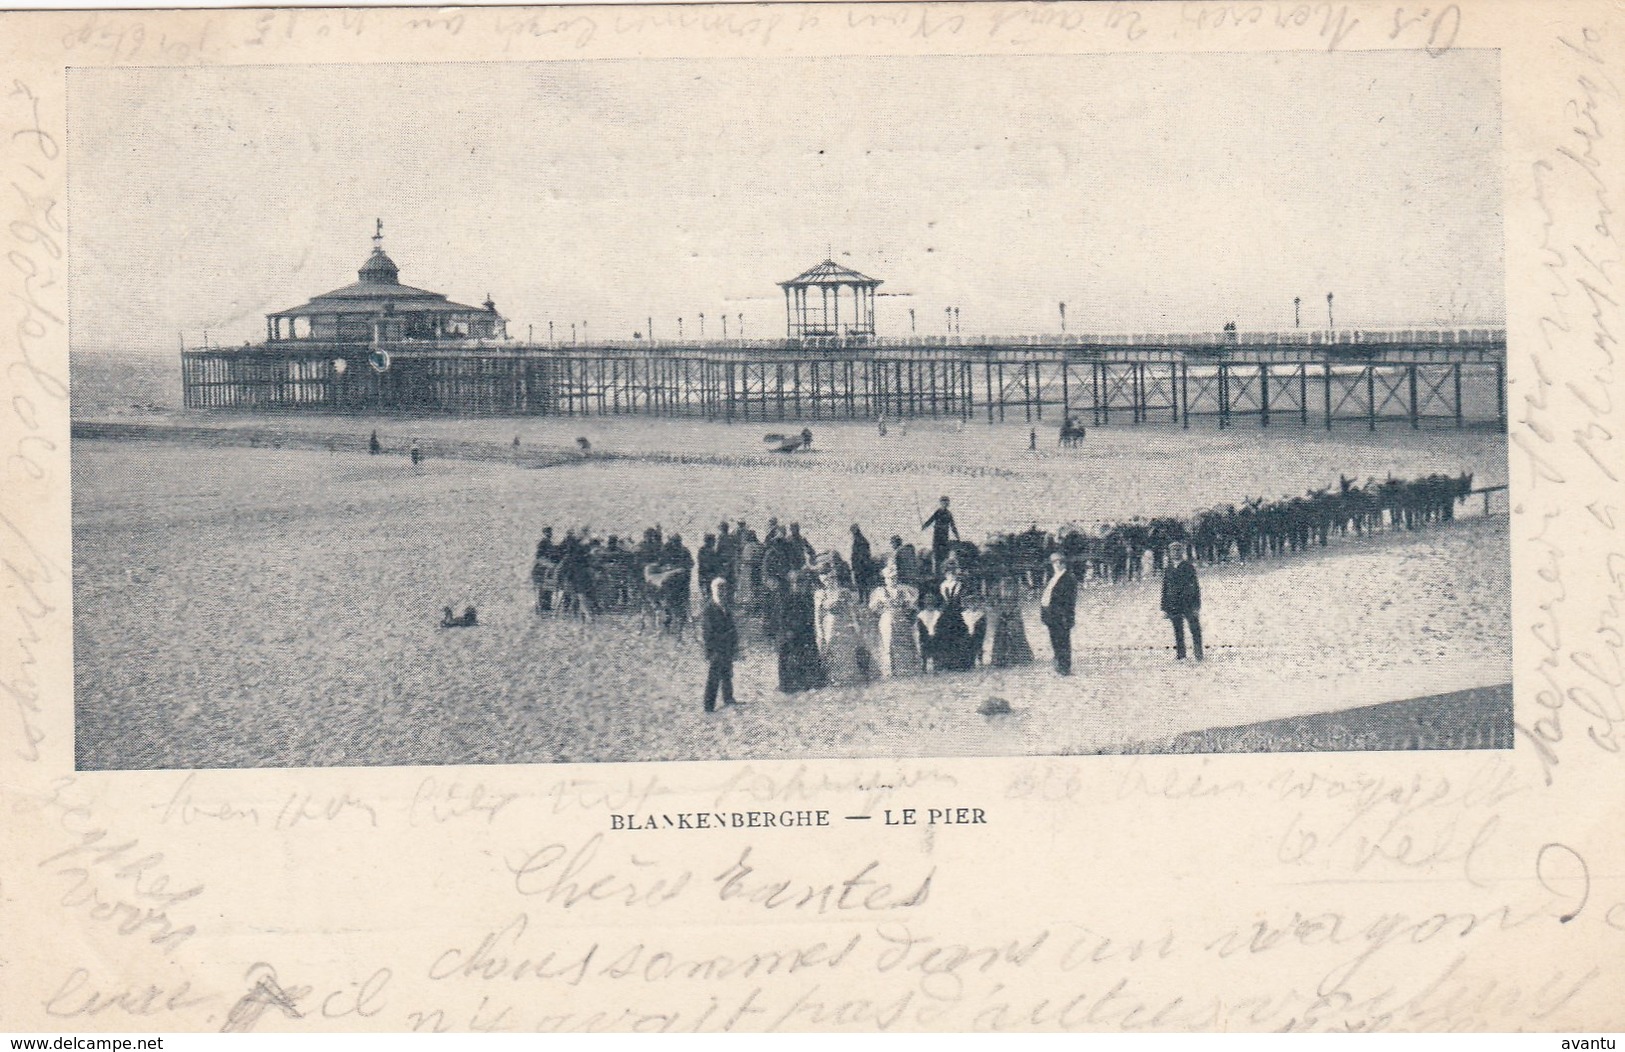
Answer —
1149 193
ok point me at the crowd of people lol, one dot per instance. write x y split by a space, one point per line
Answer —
852 614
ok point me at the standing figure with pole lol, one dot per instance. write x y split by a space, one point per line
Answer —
941 524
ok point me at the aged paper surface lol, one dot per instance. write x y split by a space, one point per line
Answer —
1405 890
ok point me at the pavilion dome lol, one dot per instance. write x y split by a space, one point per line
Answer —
379 269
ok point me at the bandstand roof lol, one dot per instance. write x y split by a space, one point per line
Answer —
379 291
829 272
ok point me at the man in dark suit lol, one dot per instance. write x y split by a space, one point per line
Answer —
721 637
1059 610
1182 599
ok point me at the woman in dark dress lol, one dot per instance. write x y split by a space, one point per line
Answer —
865 572
926 623
955 649
799 664
1006 645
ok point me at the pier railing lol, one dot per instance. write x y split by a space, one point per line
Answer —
958 343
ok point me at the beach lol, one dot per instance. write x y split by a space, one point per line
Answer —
269 594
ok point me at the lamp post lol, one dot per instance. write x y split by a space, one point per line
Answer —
724 326
679 326
1063 319
956 321
702 325
948 320
572 334
1297 314
741 325
651 320
911 327
1329 323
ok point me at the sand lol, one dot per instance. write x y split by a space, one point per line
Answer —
241 606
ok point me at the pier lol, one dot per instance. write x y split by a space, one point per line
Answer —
1434 377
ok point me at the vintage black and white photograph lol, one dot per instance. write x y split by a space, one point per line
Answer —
706 409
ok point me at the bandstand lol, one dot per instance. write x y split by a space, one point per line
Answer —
812 304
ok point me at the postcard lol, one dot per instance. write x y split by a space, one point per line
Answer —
813 517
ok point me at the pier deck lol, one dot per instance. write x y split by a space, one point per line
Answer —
1455 377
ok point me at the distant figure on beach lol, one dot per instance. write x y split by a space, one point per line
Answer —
1182 599
544 571
1032 440
941 524
373 445
575 578
583 445
802 555
720 635
905 560
708 560
468 619
676 556
777 557
516 443
1057 608
806 438
416 453
881 426
749 569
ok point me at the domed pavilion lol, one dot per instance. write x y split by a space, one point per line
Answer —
377 307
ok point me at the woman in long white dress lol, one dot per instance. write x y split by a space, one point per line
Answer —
895 602
846 659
